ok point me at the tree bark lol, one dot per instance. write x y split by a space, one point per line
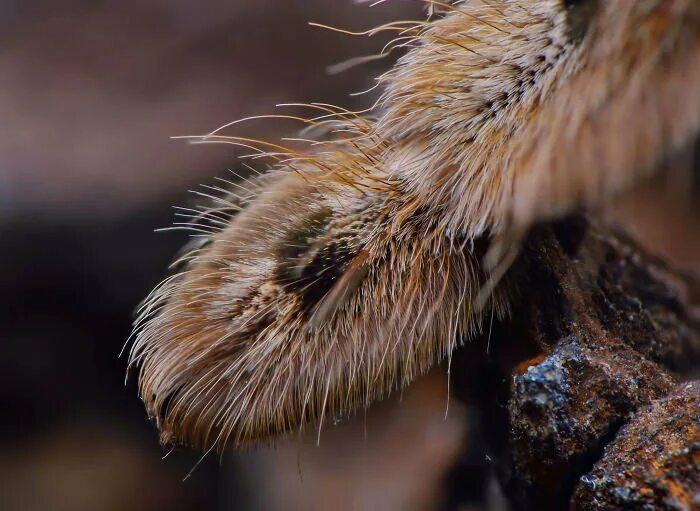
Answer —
589 399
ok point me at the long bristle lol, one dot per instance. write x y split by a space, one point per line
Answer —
356 262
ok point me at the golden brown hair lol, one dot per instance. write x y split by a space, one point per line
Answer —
354 266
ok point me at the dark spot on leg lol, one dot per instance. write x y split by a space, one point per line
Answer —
296 245
324 270
315 256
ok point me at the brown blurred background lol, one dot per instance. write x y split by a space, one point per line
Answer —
90 94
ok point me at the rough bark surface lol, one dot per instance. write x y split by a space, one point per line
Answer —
590 374
654 461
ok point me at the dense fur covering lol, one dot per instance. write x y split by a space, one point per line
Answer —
307 306
355 264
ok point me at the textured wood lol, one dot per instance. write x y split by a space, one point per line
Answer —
600 337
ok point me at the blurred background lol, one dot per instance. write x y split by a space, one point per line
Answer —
90 94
